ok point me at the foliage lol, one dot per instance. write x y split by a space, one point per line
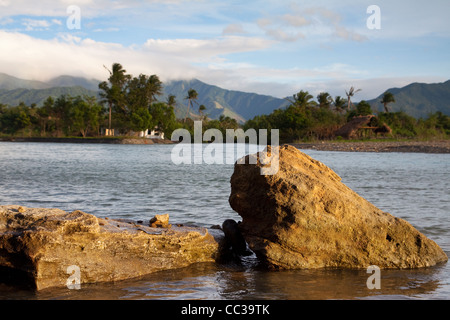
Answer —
362 109
306 120
86 115
387 98
61 117
132 106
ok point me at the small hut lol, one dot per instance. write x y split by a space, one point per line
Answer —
358 125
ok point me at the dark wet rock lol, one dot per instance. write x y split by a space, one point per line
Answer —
234 239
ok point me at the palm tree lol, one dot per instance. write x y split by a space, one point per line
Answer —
324 99
350 94
191 97
155 88
113 91
171 100
387 98
201 109
302 100
339 103
118 76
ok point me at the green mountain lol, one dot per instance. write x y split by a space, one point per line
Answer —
69 81
239 105
418 99
234 104
38 96
14 90
8 82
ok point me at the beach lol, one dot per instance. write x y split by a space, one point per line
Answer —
442 146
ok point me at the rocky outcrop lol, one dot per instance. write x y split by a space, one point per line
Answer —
305 217
45 246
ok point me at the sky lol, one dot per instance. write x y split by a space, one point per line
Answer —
268 47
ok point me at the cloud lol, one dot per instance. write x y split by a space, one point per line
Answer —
235 28
190 41
169 59
309 22
295 20
72 54
111 29
32 24
199 50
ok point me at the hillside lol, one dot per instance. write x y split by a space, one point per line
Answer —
418 99
38 96
235 104
8 82
69 81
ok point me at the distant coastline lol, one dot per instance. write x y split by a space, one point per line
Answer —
440 146
90 140
431 146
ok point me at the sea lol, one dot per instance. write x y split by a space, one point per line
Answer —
140 181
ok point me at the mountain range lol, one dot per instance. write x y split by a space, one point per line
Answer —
416 99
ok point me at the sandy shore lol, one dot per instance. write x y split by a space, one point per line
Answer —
378 146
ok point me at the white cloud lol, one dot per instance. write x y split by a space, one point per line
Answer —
72 54
57 22
198 50
204 43
307 22
183 59
32 24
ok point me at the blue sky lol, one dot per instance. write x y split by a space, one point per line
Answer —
269 47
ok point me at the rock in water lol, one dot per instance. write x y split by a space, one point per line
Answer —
160 221
305 217
234 238
43 247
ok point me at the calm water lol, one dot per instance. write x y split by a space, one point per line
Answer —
139 181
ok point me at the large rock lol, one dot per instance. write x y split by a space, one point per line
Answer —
305 217
48 246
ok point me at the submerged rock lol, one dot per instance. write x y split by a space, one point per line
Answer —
305 217
44 246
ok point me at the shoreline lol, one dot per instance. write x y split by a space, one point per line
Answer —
438 147
90 140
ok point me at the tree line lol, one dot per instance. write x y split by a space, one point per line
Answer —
306 119
130 104
126 104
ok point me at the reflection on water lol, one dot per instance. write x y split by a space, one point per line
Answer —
140 181
214 282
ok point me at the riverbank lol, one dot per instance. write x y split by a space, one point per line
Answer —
110 140
378 146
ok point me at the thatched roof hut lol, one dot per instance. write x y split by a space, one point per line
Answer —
350 129
354 127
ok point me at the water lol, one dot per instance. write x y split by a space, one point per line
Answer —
139 181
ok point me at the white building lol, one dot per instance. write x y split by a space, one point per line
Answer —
156 133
